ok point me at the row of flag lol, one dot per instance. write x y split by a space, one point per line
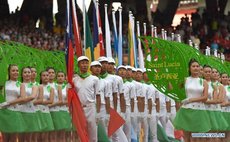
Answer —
93 46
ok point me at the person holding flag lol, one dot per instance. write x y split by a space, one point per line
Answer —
87 88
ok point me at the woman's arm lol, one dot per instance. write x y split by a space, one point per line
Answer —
51 98
39 99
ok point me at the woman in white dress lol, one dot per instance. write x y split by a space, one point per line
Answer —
226 104
11 120
28 110
45 98
192 116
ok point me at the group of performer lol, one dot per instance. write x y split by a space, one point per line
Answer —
39 111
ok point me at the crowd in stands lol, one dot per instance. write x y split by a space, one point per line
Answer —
204 30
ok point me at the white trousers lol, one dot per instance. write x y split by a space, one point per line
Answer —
127 126
152 121
90 112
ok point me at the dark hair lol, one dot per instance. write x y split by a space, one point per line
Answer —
22 72
48 68
190 63
207 66
9 67
41 75
61 72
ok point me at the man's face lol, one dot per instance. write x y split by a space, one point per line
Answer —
96 70
83 66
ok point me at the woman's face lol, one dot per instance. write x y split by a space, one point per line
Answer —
33 73
215 74
224 79
45 77
60 77
207 73
26 74
13 72
195 68
51 74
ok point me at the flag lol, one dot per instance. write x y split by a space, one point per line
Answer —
146 42
101 133
96 43
76 31
141 57
115 122
115 36
88 39
107 34
130 41
77 113
120 38
101 41
134 42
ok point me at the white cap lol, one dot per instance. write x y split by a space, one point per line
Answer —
144 70
121 66
134 69
95 63
82 58
111 60
102 59
129 67
138 69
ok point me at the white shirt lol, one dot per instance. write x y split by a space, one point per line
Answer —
119 83
129 90
105 89
152 93
87 88
163 99
111 78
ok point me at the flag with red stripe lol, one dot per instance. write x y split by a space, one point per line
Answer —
77 113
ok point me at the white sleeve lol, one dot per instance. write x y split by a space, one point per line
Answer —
108 89
97 86
115 85
121 90
132 91
157 94
167 99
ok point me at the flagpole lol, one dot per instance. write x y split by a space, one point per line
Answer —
84 26
120 38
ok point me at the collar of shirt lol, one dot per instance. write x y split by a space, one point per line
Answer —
84 75
104 75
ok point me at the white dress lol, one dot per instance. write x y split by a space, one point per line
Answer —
11 120
193 117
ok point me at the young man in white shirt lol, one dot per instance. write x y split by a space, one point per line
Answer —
128 89
141 97
151 112
105 92
87 88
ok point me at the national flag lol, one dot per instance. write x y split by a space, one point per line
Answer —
115 122
77 113
88 39
76 31
120 38
107 34
115 36
96 43
134 43
141 57
101 40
